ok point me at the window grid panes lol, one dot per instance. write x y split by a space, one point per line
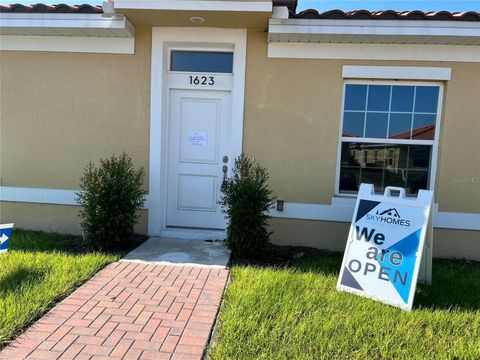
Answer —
374 116
390 111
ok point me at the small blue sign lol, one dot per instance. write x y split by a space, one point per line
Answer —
5 233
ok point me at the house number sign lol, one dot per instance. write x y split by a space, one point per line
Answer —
201 80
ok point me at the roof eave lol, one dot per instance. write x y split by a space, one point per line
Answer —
374 31
65 24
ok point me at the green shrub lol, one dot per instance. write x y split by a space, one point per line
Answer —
112 194
245 202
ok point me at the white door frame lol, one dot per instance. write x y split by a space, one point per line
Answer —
162 40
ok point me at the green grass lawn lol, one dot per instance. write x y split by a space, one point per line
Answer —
296 313
35 273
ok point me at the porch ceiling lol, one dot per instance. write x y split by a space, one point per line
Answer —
223 14
181 18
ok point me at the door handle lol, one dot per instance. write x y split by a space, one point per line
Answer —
224 170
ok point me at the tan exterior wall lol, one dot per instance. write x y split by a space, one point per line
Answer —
458 179
292 119
63 219
333 236
58 111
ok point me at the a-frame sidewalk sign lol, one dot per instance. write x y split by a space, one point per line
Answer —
389 246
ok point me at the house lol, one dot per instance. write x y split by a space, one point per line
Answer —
325 101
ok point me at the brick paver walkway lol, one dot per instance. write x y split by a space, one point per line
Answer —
130 311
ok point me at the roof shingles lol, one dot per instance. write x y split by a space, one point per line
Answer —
387 15
43 8
291 4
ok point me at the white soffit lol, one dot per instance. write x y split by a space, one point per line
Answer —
374 31
396 72
195 5
58 24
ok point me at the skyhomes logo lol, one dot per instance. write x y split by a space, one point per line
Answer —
388 216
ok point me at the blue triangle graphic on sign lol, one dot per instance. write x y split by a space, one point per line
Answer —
401 276
364 207
349 280
4 238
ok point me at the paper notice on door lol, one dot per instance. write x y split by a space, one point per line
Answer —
197 139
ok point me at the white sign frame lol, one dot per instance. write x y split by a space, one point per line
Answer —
422 267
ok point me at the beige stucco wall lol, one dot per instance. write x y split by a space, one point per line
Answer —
292 119
58 111
73 108
63 219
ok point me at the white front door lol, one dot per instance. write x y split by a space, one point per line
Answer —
197 79
198 148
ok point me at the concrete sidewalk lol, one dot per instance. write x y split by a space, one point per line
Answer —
130 310
181 251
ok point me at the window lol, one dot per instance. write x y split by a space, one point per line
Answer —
388 136
201 61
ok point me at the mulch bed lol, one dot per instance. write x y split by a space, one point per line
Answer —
76 245
276 255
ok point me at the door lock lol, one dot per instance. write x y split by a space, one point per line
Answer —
224 170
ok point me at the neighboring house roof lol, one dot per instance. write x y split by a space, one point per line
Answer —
348 134
387 15
426 132
60 8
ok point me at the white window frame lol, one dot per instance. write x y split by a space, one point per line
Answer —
433 143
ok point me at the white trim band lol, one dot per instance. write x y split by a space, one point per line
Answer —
344 213
39 196
341 209
413 52
100 45
454 220
43 196
396 72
